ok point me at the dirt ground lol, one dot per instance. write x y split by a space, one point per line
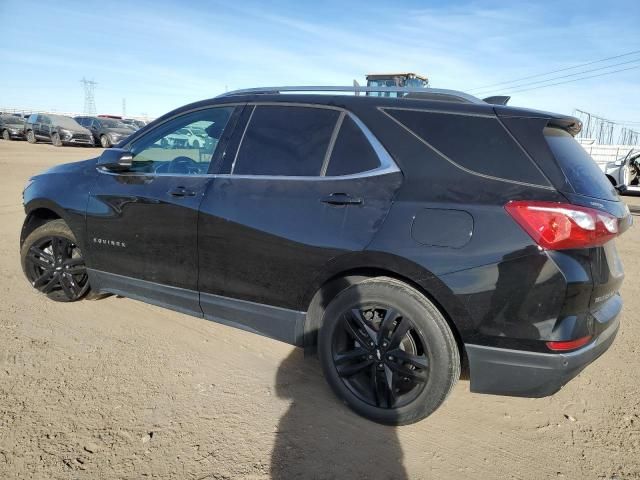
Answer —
115 389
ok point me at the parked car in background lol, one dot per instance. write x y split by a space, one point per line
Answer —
623 171
11 127
192 137
106 131
57 129
403 239
133 123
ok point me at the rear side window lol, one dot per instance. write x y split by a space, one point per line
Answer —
33 118
285 140
352 152
581 171
477 143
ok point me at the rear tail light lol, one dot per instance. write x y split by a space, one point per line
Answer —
562 226
570 345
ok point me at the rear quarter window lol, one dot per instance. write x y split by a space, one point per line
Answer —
352 152
476 143
581 170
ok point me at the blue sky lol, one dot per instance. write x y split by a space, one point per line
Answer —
160 55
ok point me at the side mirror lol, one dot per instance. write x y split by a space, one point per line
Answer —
115 160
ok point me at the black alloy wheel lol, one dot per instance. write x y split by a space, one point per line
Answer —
380 356
53 263
387 351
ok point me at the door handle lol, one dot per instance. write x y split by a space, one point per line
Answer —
341 199
182 192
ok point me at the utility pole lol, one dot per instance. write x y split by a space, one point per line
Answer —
124 107
89 97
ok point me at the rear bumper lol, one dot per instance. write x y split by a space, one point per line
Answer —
501 371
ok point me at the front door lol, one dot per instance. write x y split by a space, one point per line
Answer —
305 187
142 224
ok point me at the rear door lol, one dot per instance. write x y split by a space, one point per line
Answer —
42 127
304 186
142 224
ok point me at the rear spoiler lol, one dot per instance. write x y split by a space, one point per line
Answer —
497 100
568 123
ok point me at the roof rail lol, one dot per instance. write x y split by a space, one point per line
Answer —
425 93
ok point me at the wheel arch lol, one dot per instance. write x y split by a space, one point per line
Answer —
353 268
40 212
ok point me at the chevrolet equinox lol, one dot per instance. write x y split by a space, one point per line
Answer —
403 239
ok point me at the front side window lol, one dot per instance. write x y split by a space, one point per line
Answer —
170 148
285 141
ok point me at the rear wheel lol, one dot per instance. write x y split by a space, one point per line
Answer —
53 262
104 141
31 138
6 135
388 352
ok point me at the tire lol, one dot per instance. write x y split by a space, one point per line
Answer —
53 263
6 135
411 364
104 141
31 138
55 140
196 144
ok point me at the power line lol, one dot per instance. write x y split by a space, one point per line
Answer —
569 75
576 79
555 71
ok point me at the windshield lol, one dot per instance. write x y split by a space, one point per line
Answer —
111 123
65 122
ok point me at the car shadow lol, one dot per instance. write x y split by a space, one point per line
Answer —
320 438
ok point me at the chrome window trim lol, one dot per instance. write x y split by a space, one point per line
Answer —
387 164
244 132
332 142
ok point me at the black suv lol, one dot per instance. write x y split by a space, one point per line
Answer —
403 239
106 131
58 129
11 127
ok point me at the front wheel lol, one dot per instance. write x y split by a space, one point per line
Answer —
53 262
55 140
6 135
31 137
388 352
104 141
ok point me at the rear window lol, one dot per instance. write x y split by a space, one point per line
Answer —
581 171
